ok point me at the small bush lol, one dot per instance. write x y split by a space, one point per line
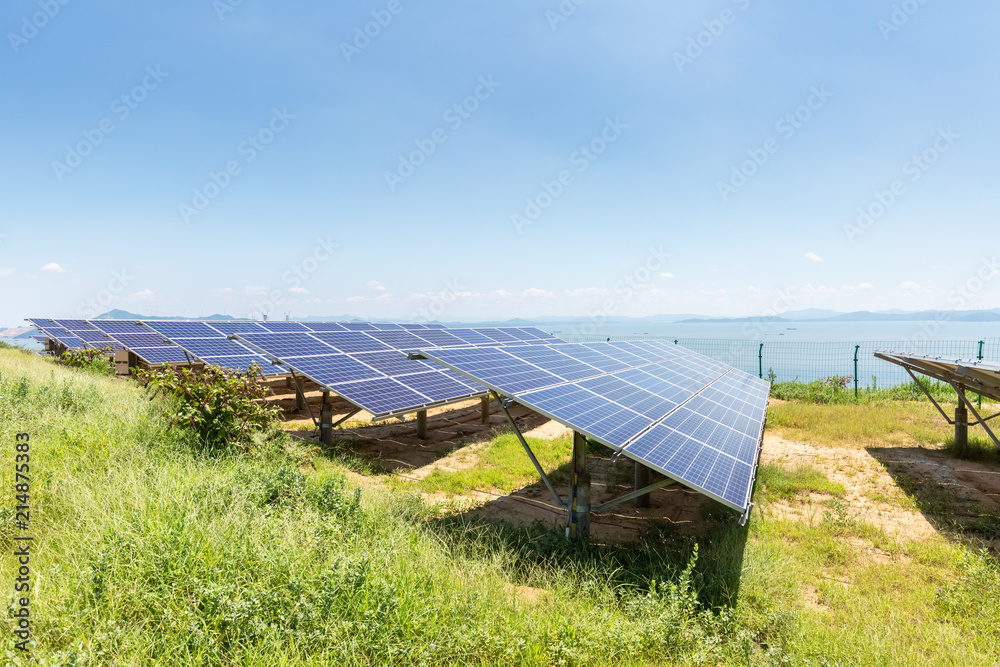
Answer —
223 407
91 359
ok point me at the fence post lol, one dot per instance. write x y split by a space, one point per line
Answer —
675 341
760 361
980 357
856 348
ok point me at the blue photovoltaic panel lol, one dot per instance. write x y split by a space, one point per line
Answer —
352 341
382 395
472 337
497 335
437 386
518 333
91 336
40 339
412 326
400 340
392 363
386 326
324 326
440 338
69 341
131 340
161 355
358 326
39 323
229 328
333 369
694 419
538 333
554 362
279 327
212 347
120 326
75 325
172 329
435 326
290 345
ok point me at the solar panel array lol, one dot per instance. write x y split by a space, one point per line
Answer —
369 366
692 418
74 334
208 341
145 344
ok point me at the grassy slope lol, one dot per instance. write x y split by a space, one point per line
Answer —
149 554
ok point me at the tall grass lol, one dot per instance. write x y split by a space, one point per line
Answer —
151 552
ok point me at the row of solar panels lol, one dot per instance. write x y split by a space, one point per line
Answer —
692 418
364 363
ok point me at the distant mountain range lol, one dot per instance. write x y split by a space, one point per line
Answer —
806 315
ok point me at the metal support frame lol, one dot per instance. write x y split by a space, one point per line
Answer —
760 361
422 424
645 491
345 417
856 348
300 394
979 419
299 389
641 480
527 449
578 527
326 421
484 406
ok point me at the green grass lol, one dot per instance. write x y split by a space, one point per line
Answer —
830 391
148 552
501 466
777 482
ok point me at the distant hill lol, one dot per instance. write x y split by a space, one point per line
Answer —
117 314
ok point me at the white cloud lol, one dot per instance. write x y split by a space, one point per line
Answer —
865 286
6 272
376 285
500 294
534 293
54 268
814 257
909 285
665 275
298 290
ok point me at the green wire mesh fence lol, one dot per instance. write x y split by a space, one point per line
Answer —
805 362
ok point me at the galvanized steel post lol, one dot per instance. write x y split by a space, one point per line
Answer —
856 348
760 361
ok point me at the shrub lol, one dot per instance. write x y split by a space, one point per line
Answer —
223 407
90 359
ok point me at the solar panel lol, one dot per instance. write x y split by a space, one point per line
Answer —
385 326
75 325
400 340
212 347
162 354
440 338
413 326
983 377
289 345
359 326
242 363
119 326
173 329
472 337
694 419
352 341
278 327
230 328
131 340
324 326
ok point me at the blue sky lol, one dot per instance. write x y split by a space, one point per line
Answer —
495 160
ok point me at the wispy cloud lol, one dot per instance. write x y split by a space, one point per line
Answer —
6 272
813 256
54 268
376 285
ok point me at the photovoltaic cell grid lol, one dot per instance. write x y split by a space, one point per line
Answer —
693 419
208 341
370 368
74 334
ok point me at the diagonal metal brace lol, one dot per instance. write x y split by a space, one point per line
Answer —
304 399
345 418
924 389
531 455
633 494
981 421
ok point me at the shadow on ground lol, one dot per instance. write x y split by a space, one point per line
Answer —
960 499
